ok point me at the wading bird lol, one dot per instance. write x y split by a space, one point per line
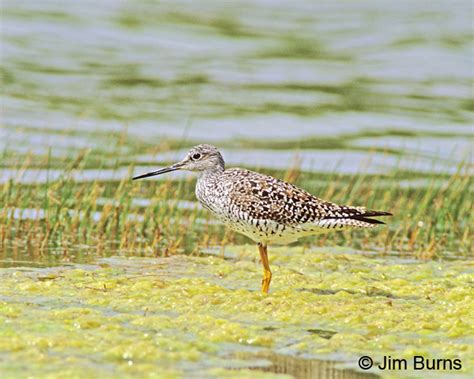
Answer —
265 209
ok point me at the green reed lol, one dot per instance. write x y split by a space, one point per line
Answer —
430 220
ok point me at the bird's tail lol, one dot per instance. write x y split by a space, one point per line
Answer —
361 218
366 217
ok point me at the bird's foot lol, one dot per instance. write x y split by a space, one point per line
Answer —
267 278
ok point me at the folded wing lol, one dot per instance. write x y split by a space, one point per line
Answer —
263 197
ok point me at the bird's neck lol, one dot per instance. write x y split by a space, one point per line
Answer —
211 174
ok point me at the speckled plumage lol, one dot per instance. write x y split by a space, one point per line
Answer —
269 210
265 209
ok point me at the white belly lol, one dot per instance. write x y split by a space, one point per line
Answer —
270 232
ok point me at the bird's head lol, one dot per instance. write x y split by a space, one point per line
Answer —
201 158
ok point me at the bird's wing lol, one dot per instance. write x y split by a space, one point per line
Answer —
266 198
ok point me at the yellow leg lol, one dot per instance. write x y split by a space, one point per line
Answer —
267 274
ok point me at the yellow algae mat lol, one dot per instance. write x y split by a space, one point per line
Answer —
194 316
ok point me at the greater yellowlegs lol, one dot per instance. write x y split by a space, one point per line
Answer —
265 209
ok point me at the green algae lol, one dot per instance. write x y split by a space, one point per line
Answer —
169 317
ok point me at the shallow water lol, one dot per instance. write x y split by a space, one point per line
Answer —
132 309
217 72
343 162
303 368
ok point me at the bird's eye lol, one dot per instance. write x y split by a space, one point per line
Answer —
196 156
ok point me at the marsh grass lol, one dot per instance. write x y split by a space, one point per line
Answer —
431 219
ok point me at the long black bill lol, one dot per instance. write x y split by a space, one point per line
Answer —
174 167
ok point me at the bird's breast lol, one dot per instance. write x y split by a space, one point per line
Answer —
210 196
